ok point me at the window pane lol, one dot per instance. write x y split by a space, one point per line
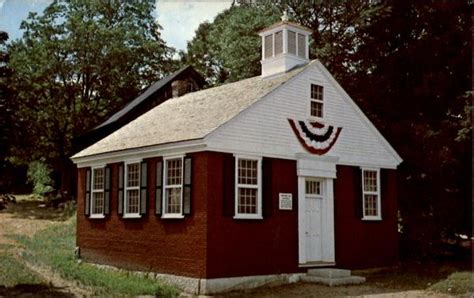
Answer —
133 175
370 180
316 109
174 171
301 46
313 187
247 200
370 205
278 42
98 179
132 201
173 200
316 92
292 42
248 171
97 203
269 46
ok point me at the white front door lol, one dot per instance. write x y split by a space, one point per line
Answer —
314 196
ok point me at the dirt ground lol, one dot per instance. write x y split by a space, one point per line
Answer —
29 217
26 218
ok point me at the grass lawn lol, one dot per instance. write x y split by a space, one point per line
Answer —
13 272
54 247
456 283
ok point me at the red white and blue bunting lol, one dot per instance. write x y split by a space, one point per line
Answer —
315 137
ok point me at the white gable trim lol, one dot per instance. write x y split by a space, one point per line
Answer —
359 112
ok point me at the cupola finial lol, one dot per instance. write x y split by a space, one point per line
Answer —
284 17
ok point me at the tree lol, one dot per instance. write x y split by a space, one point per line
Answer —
228 49
5 109
76 62
413 80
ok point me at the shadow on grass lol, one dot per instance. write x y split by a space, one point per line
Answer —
36 210
29 290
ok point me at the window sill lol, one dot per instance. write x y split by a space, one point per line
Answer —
242 216
132 216
97 216
172 216
372 218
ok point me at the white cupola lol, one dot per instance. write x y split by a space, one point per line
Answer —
284 46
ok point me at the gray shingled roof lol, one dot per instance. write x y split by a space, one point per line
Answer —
189 117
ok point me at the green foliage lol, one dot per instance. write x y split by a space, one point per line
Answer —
54 247
13 272
456 284
228 49
76 63
39 175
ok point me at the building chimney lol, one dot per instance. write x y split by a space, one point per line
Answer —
180 87
284 46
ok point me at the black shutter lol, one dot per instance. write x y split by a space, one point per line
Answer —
107 191
87 194
120 190
384 204
358 201
143 188
228 185
159 187
267 199
187 185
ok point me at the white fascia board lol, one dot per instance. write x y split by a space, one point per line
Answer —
178 148
359 112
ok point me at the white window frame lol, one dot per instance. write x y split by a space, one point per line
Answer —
126 188
165 187
321 185
377 193
315 100
257 215
92 203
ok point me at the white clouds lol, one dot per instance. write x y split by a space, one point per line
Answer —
180 19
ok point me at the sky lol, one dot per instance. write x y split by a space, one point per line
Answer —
179 18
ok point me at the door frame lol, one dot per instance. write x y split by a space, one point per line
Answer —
324 168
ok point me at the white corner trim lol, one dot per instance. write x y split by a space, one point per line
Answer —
358 111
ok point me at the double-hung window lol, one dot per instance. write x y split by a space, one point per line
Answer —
316 101
173 187
248 188
371 194
132 190
97 187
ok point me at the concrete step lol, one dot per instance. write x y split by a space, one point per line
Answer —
329 272
338 281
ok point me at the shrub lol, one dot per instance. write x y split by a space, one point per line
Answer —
39 174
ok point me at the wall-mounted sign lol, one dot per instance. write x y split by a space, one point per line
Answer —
286 201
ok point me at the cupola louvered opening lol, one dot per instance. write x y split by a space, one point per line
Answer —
268 45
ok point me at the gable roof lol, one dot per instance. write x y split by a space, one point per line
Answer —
146 94
189 117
